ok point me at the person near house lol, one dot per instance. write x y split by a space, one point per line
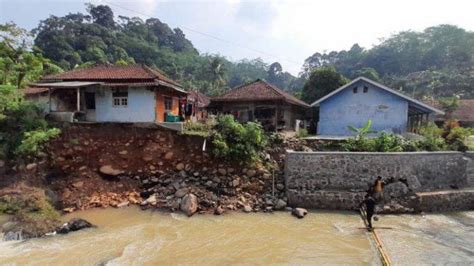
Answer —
369 204
377 189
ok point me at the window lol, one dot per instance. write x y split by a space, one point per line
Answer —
366 89
120 97
354 89
168 103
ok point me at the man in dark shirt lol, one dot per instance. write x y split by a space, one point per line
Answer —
369 203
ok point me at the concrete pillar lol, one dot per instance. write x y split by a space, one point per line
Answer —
49 98
78 101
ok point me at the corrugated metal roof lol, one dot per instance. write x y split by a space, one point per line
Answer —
65 84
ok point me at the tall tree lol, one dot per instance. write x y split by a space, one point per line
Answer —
18 61
321 82
102 15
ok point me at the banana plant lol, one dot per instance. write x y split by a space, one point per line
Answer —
363 131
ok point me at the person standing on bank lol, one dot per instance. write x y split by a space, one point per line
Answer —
378 189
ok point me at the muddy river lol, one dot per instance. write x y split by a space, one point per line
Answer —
134 237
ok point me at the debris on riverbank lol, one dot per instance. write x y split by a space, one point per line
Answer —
98 166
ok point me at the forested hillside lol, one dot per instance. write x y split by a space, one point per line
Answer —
436 62
80 40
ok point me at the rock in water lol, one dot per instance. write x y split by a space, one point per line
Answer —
31 166
189 204
219 210
247 209
180 166
299 212
280 204
75 224
109 170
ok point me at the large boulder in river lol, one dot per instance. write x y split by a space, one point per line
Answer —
299 212
74 224
396 190
110 171
189 204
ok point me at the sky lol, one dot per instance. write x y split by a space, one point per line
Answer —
285 31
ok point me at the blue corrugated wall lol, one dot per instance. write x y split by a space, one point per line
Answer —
388 112
141 106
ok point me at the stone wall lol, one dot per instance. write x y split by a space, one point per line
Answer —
469 156
338 180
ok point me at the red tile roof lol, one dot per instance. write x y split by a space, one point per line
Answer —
113 73
465 111
201 99
258 90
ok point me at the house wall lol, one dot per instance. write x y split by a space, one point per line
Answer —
287 112
160 105
388 112
141 106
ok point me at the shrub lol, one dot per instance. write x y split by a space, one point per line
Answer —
388 143
362 132
34 140
235 141
197 128
302 133
17 117
433 138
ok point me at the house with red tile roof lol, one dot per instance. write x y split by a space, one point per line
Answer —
263 102
110 93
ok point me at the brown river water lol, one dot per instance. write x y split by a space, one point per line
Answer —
134 237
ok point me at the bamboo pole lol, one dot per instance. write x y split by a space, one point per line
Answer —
385 259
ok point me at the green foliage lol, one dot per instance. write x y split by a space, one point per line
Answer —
197 128
449 104
33 141
302 133
19 61
235 141
362 132
433 138
22 124
369 73
81 40
455 139
35 204
435 62
321 81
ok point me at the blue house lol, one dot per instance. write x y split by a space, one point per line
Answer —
363 99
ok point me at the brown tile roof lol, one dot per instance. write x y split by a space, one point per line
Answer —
113 73
465 111
258 90
33 90
202 100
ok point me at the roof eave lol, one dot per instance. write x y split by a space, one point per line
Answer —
435 110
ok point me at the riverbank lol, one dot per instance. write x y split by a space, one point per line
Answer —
113 165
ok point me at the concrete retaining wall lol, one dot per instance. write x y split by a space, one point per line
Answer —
454 200
338 180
